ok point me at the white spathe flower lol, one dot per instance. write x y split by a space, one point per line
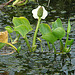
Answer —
35 12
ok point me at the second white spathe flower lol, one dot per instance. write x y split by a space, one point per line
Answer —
35 12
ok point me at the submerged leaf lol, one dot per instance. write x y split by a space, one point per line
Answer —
59 32
49 37
44 28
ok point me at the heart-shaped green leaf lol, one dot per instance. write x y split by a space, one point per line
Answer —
59 32
49 37
21 20
9 29
44 28
56 24
22 29
21 25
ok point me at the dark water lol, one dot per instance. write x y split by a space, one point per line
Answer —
39 63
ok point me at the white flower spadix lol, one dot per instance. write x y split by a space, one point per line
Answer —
40 10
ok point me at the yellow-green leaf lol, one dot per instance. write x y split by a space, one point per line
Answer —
44 28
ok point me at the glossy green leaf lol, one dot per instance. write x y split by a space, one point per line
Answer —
70 42
21 20
21 25
69 27
22 29
59 32
44 28
9 29
49 37
16 21
56 24
2 45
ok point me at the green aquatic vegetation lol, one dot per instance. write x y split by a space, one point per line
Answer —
38 13
68 42
21 26
51 35
56 33
19 2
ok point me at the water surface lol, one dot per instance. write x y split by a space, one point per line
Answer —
39 63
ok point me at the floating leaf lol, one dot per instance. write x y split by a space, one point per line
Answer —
9 29
69 27
49 37
56 24
44 28
59 32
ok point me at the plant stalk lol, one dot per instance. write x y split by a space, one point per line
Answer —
54 48
66 40
16 39
10 37
61 45
27 42
35 34
12 46
48 45
41 46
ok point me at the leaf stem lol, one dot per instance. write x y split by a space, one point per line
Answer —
35 34
54 48
27 42
66 40
48 45
12 46
61 45
10 37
